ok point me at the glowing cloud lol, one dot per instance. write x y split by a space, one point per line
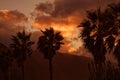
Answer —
63 16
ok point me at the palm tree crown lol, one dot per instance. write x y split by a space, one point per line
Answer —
21 46
100 30
49 42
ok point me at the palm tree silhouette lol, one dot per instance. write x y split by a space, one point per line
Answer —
115 11
5 61
92 35
21 45
48 44
100 29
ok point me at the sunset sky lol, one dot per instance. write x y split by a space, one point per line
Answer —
62 15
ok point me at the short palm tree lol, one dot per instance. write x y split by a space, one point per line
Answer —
49 42
21 46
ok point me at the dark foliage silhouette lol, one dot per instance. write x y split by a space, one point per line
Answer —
101 35
93 34
101 31
108 72
5 61
115 10
49 42
21 46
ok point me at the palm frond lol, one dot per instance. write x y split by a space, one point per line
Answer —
110 41
49 42
21 45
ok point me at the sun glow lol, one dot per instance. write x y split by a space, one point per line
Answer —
66 30
69 32
71 50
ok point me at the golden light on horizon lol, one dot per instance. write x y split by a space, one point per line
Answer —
71 50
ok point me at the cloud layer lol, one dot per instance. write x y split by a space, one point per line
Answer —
64 11
63 16
10 22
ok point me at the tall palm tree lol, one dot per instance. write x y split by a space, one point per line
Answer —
5 61
92 35
49 42
100 29
101 35
21 45
115 10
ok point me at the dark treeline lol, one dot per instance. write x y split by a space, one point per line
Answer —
100 34
20 48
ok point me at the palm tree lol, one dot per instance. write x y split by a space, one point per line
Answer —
92 35
115 10
21 45
5 61
101 35
49 42
100 29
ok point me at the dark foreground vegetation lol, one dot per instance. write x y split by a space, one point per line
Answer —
100 34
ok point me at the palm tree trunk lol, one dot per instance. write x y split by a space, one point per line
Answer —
50 69
22 68
5 75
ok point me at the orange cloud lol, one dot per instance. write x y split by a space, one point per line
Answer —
12 16
63 16
69 32
10 22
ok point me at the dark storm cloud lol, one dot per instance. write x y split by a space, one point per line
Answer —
64 8
68 7
44 7
60 10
